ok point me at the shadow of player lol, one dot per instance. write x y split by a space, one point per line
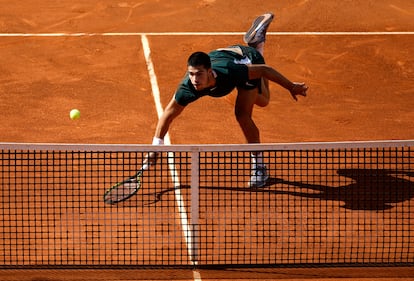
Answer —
371 189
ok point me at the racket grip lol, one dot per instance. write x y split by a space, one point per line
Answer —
151 157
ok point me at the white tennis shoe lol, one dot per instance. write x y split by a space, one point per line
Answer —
259 177
257 32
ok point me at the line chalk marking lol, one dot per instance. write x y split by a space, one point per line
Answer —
316 33
188 234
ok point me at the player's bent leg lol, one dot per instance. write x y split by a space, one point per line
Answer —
263 97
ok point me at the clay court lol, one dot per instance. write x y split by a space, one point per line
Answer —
355 56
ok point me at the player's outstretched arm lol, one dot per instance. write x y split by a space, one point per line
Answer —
257 71
172 110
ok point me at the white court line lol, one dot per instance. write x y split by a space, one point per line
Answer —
304 33
153 77
188 235
196 276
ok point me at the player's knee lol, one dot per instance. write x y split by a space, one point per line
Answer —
262 101
263 97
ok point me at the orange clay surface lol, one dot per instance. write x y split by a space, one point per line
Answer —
361 86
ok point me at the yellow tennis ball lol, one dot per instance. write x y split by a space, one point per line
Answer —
74 114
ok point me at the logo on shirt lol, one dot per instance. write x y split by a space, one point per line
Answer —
244 60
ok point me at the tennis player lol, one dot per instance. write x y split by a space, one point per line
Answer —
220 72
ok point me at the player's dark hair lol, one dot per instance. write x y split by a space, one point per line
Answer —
199 59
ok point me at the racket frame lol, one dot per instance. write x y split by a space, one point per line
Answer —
137 177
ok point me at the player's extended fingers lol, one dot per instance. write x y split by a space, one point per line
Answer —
151 158
298 89
301 89
304 90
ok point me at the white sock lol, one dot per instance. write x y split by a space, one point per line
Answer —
157 141
257 160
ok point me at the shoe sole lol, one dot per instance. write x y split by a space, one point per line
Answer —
258 23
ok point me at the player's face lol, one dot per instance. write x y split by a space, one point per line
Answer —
199 76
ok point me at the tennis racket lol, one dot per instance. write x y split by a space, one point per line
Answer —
124 190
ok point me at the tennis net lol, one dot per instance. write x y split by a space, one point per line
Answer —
341 203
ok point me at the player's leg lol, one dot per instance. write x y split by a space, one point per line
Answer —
263 98
243 111
256 37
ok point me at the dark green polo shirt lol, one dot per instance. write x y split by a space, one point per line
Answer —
230 66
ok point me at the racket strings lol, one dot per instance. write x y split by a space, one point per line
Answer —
123 190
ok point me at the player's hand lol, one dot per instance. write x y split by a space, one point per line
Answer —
151 158
298 89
